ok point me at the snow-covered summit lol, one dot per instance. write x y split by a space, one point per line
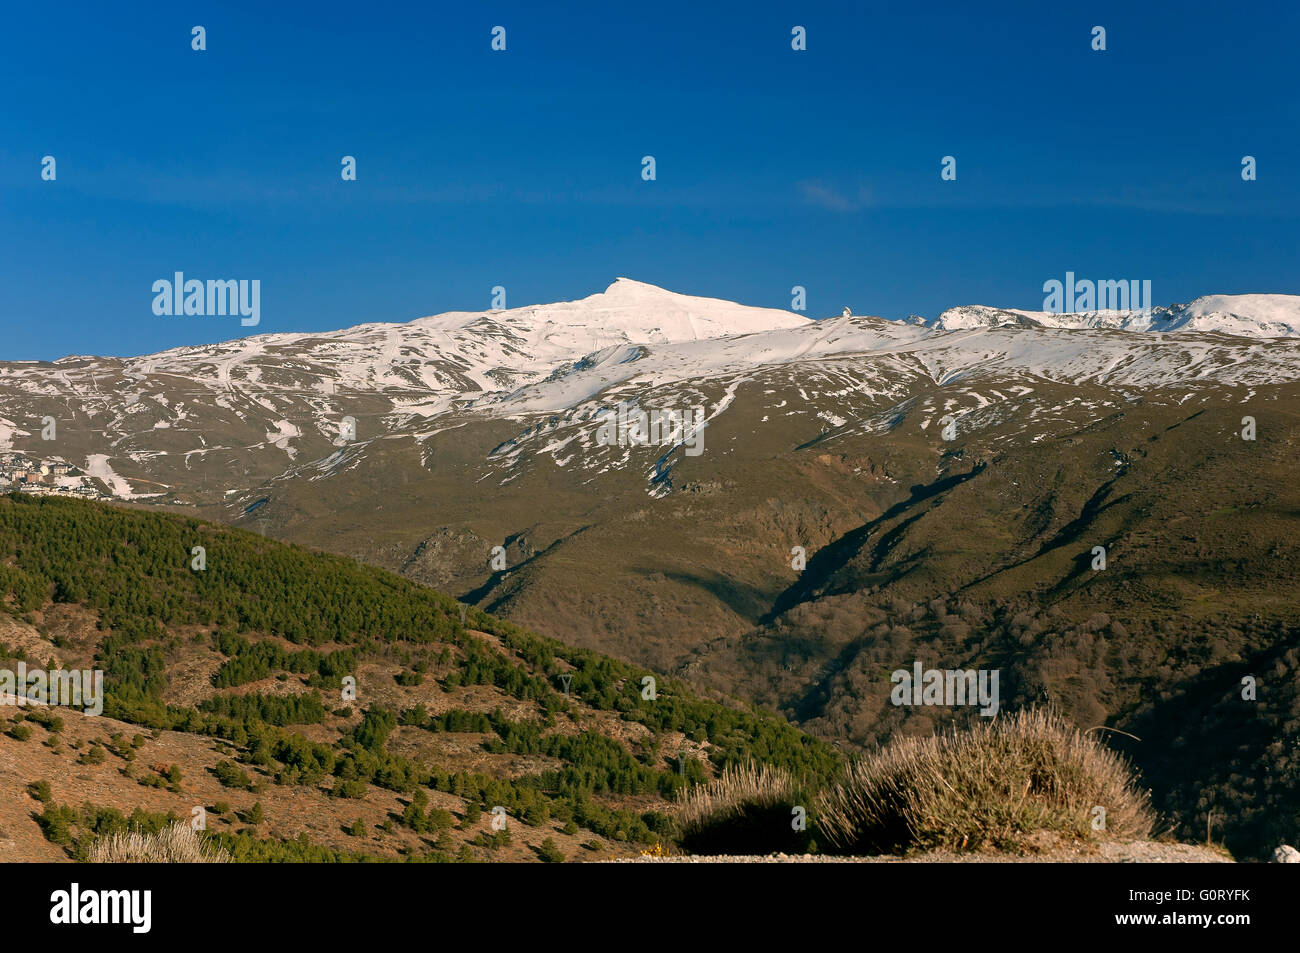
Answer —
1245 315
1249 315
640 307
627 312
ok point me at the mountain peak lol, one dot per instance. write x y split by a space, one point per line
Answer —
649 314
1242 315
624 285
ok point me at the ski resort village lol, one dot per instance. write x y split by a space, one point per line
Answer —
27 475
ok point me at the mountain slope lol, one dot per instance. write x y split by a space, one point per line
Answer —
246 662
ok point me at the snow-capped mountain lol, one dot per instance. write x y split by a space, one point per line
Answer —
987 448
1249 315
275 406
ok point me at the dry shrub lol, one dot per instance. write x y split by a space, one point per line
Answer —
996 785
745 810
176 844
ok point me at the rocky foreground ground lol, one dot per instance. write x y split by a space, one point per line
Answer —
1136 852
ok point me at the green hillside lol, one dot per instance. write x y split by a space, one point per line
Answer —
559 737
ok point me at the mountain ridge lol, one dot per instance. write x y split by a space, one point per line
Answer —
270 404
1242 315
1226 313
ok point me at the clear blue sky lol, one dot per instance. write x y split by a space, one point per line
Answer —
522 169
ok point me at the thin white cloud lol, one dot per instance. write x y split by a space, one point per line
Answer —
825 196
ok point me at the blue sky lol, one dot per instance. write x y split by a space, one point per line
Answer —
523 169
